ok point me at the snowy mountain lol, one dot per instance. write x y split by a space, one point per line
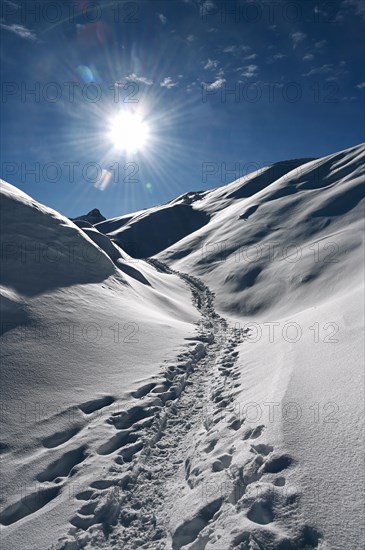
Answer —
93 217
190 376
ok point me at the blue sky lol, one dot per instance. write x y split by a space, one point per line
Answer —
225 87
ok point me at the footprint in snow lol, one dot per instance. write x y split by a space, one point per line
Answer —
96 404
59 438
64 465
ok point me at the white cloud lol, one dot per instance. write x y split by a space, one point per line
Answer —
236 49
324 69
142 79
297 37
361 86
308 57
168 83
250 71
357 5
162 18
20 31
320 44
230 49
211 64
219 83
190 38
189 87
279 55
251 56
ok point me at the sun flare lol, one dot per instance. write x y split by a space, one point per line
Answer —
129 132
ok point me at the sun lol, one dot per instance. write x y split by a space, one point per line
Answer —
129 132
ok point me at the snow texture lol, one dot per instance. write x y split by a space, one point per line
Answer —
188 377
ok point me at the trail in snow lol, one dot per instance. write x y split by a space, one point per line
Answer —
154 446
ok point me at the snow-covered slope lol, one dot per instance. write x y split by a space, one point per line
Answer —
134 420
287 262
292 240
79 334
149 232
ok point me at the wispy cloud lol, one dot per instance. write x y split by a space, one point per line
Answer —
20 30
250 71
279 56
357 5
332 71
141 79
275 57
297 38
210 86
361 86
190 38
249 57
168 83
236 49
324 69
230 49
211 64
321 44
308 57
162 18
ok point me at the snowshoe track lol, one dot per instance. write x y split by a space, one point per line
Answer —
155 443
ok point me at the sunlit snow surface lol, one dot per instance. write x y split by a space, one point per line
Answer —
141 411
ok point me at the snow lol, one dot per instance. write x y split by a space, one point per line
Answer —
76 329
164 226
208 398
93 217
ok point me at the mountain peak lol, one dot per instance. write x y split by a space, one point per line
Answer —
93 217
